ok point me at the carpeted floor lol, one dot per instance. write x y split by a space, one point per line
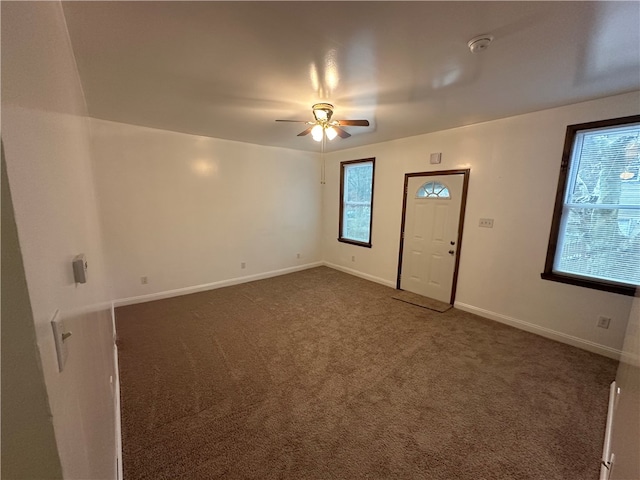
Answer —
322 375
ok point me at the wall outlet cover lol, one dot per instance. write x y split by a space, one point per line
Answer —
603 322
486 222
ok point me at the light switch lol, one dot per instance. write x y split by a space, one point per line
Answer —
486 222
61 338
435 158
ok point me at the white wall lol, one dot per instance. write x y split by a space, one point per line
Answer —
625 441
46 141
185 210
26 416
514 166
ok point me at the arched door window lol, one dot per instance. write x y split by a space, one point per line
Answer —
433 190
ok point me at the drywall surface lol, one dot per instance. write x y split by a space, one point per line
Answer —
514 166
26 417
183 210
625 441
47 150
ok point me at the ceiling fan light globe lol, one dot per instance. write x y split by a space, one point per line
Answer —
331 133
316 133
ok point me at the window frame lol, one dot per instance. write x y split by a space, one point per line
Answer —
554 235
341 237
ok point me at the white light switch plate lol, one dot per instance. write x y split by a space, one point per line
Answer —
59 337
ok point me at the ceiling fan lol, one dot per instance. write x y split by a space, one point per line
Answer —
323 125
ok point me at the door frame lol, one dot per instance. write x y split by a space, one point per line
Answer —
463 206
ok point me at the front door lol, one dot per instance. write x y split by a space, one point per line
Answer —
432 233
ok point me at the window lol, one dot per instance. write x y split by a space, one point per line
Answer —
433 190
595 234
356 201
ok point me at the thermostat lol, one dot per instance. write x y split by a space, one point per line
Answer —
80 268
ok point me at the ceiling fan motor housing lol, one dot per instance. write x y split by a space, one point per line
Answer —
323 112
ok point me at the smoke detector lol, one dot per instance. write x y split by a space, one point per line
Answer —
479 43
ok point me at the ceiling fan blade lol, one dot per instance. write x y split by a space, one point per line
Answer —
353 123
295 121
305 132
341 133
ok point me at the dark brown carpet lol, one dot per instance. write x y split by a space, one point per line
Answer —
322 375
420 301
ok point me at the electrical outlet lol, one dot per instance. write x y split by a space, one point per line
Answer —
603 322
353 258
486 222
144 280
243 265
297 255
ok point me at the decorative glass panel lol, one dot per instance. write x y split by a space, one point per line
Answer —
433 190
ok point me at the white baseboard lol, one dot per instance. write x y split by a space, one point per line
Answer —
211 286
498 317
356 273
542 331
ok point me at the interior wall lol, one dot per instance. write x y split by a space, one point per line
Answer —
46 144
26 417
625 441
514 166
184 210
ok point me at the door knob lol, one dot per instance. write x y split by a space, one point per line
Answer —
451 252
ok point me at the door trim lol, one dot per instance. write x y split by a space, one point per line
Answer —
463 206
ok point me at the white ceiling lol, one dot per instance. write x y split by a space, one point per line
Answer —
229 69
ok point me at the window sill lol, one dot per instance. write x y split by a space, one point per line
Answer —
355 242
619 288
